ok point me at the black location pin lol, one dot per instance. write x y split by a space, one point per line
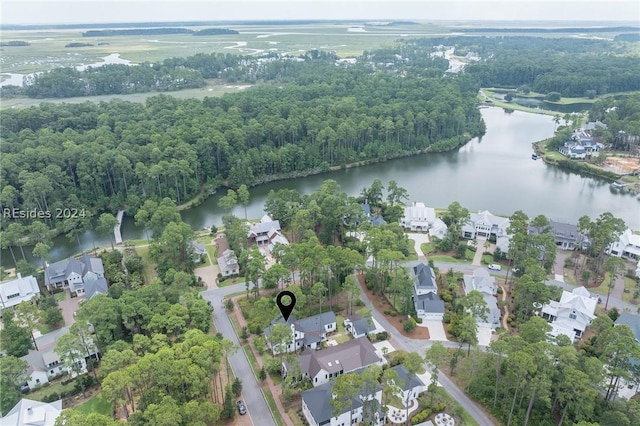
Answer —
286 306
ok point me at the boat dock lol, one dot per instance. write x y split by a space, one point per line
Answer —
116 229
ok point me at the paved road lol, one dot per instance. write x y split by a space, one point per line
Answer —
257 408
419 346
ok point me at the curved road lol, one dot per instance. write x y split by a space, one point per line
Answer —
257 407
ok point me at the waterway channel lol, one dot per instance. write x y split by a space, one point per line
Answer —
495 173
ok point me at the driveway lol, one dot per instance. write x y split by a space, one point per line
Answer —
419 239
484 335
69 306
209 275
436 330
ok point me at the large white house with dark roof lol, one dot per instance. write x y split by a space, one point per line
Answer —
45 364
318 410
326 364
20 289
84 276
566 235
308 332
485 224
426 301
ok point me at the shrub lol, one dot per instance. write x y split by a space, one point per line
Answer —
499 291
260 343
446 318
262 374
382 336
421 416
244 334
229 305
409 325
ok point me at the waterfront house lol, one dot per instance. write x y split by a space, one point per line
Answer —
485 224
566 235
261 233
20 289
199 251
572 314
627 246
84 276
418 217
308 333
228 262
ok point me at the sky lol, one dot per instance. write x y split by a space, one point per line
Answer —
101 11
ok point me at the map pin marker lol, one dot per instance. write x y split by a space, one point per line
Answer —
286 306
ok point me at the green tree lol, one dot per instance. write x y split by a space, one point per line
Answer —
16 340
535 330
346 388
280 338
28 316
318 292
12 375
41 250
229 201
468 331
229 406
243 198
106 224
413 362
613 265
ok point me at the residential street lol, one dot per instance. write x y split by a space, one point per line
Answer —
256 405
257 408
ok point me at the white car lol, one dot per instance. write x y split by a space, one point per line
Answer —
495 267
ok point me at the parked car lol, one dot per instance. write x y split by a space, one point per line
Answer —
241 408
495 267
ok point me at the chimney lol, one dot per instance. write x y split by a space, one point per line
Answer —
19 276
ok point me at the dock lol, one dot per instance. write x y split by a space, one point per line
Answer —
116 229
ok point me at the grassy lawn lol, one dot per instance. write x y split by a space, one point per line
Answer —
231 281
96 404
428 248
60 296
449 259
54 387
149 271
413 255
212 250
487 259
569 277
137 242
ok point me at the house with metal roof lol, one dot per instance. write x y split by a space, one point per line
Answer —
485 284
75 274
28 412
20 289
425 297
572 314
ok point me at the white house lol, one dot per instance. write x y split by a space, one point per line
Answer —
438 229
19 290
307 333
265 231
481 281
45 364
485 224
323 365
359 326
28 412
572 314
84 276
427 303
228 262
417 217
411 386
627 246
318 410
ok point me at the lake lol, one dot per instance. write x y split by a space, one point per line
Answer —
495 173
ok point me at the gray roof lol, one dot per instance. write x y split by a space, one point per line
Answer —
318 401
561 232
429 302
60 271
316 322
408 382
424 277
361 325
93 287
632 321
346 357
264 227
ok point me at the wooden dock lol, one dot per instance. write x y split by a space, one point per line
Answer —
116 229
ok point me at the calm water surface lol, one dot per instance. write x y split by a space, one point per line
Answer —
494 173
